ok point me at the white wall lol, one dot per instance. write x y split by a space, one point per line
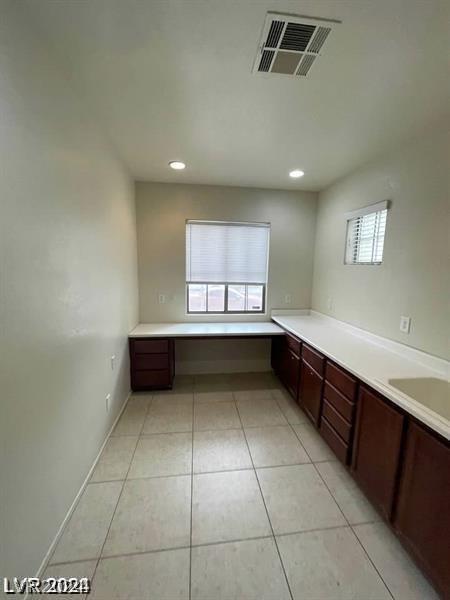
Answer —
162 210
414 277
68 293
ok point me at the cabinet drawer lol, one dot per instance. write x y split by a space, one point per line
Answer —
293 343
313 358
339 447
342 426
339 402
341 380
142 362
150 346
150 379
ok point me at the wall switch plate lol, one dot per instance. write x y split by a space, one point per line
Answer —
108 402
330 303
405 324
161 298
287 298
113 362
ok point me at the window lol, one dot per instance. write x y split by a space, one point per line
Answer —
365 235
226 266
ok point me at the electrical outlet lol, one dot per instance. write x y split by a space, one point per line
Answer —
161 298
287 298
108 402
405 324
113 362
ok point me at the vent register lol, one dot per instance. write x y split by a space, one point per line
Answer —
290 44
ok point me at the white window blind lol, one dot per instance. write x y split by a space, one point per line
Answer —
222 252
365 235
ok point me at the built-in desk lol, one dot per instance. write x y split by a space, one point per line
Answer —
152 346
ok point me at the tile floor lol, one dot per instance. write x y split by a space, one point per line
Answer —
221 489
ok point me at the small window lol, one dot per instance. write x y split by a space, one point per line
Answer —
226 266
365 235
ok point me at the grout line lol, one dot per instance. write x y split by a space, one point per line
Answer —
265 506
204 544
334 499
348 524
47 561
120 495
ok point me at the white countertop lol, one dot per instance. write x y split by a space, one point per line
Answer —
205 329
372 359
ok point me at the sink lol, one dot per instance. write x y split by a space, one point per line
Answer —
432 392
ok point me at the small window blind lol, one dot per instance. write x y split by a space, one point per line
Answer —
223 252
365 235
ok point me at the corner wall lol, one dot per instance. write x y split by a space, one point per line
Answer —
414 278
68 293
162 210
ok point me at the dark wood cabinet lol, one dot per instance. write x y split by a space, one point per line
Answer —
376 453
152 363
292 372
286 362
402 466
310 396
338 410
422 516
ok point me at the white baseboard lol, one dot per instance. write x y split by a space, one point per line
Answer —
52 546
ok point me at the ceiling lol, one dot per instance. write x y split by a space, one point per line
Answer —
172 79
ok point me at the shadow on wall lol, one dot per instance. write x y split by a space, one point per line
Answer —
222 356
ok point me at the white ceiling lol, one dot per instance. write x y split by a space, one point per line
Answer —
172 79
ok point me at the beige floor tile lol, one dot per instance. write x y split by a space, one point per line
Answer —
220 451
351 500
172 399
260 413
200 397
162 454
258 394
289 407
329 564
132 418
249 570
227 506
297 499
141 399
78 570
212 382
216 415
314 445
169 414
181 384
272 446
152 514
86 530
115 459
154 576
400 574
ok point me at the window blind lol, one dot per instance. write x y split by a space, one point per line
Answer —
365 238
222 252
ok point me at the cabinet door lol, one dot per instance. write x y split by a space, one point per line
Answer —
377 449
291 372
422 516
310 392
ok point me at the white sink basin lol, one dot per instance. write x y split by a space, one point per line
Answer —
432 392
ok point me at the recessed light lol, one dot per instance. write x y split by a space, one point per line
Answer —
177 165
296 173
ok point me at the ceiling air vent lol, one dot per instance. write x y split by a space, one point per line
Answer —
290 44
